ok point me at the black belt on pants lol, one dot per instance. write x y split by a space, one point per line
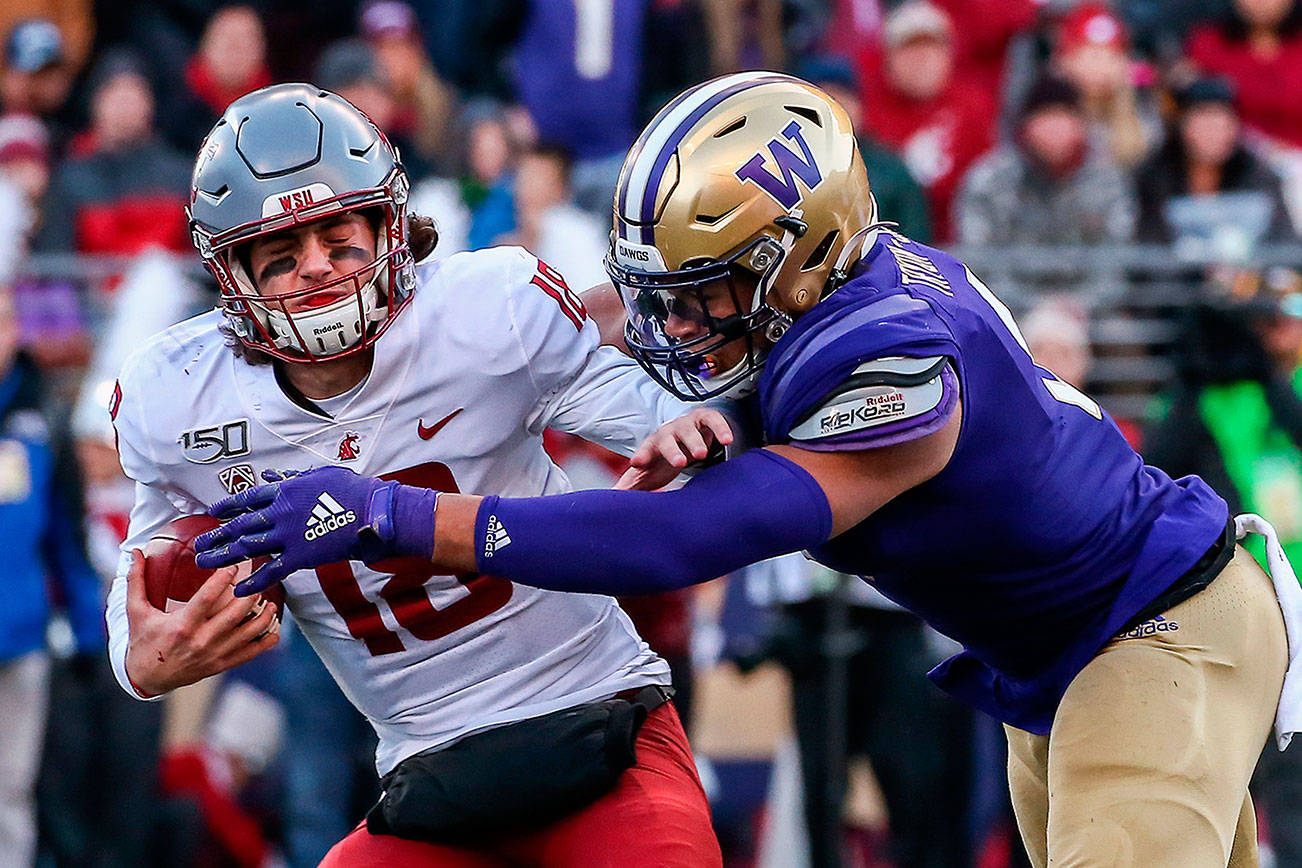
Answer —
1192 580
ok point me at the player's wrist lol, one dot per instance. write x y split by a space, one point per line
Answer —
414 510
141 682
400 522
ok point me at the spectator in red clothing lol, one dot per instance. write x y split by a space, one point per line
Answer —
231 61
918 107
1260 49
122 190
983 30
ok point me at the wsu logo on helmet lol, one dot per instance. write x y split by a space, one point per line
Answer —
789 163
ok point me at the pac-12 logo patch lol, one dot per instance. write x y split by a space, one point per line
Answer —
348 448
789 164
238 478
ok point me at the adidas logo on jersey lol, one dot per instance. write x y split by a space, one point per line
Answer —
327 515
495 537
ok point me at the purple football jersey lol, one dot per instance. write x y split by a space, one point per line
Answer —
1044 534
578 69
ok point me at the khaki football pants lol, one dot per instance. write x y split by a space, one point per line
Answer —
1148 760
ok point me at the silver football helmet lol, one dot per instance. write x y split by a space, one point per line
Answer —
280 157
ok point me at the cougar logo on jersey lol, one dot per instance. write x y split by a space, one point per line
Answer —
803 167
327 515
348 448
206 445
238 478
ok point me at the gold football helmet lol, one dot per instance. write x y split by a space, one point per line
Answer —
751 181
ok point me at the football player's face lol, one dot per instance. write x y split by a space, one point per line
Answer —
305 256
691 312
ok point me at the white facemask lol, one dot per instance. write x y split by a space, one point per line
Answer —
326 330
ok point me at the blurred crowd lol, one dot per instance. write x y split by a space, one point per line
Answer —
991 125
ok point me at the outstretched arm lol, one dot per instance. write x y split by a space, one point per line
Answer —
765 503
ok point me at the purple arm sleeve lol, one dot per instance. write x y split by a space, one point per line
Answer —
757 506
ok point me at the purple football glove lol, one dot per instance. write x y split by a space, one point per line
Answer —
323 515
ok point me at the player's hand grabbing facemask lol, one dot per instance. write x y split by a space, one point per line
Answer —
323 515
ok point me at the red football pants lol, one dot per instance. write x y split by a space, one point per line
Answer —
656 815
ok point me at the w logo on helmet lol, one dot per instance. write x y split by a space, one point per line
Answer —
789 163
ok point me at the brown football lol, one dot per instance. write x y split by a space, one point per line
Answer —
172 576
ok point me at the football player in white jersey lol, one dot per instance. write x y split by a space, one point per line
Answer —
333 346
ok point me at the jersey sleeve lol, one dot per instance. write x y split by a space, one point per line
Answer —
610 401
152 509
866 373
582 387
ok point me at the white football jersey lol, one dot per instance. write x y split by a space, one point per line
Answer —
492 349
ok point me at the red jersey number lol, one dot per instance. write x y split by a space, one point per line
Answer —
405 591
550 281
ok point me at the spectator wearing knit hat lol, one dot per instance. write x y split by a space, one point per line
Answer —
1047 186
25 163
1092 51
1203 174
35 75
934 120
424 107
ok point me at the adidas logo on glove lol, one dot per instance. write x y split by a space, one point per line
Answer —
327 515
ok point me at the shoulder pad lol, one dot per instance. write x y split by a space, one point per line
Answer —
883 401
863 331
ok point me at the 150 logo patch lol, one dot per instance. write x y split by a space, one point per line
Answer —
206 445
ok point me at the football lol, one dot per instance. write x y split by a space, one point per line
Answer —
172 576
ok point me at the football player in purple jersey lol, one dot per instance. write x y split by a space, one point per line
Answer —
900 431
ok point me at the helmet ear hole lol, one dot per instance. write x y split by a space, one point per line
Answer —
819 254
